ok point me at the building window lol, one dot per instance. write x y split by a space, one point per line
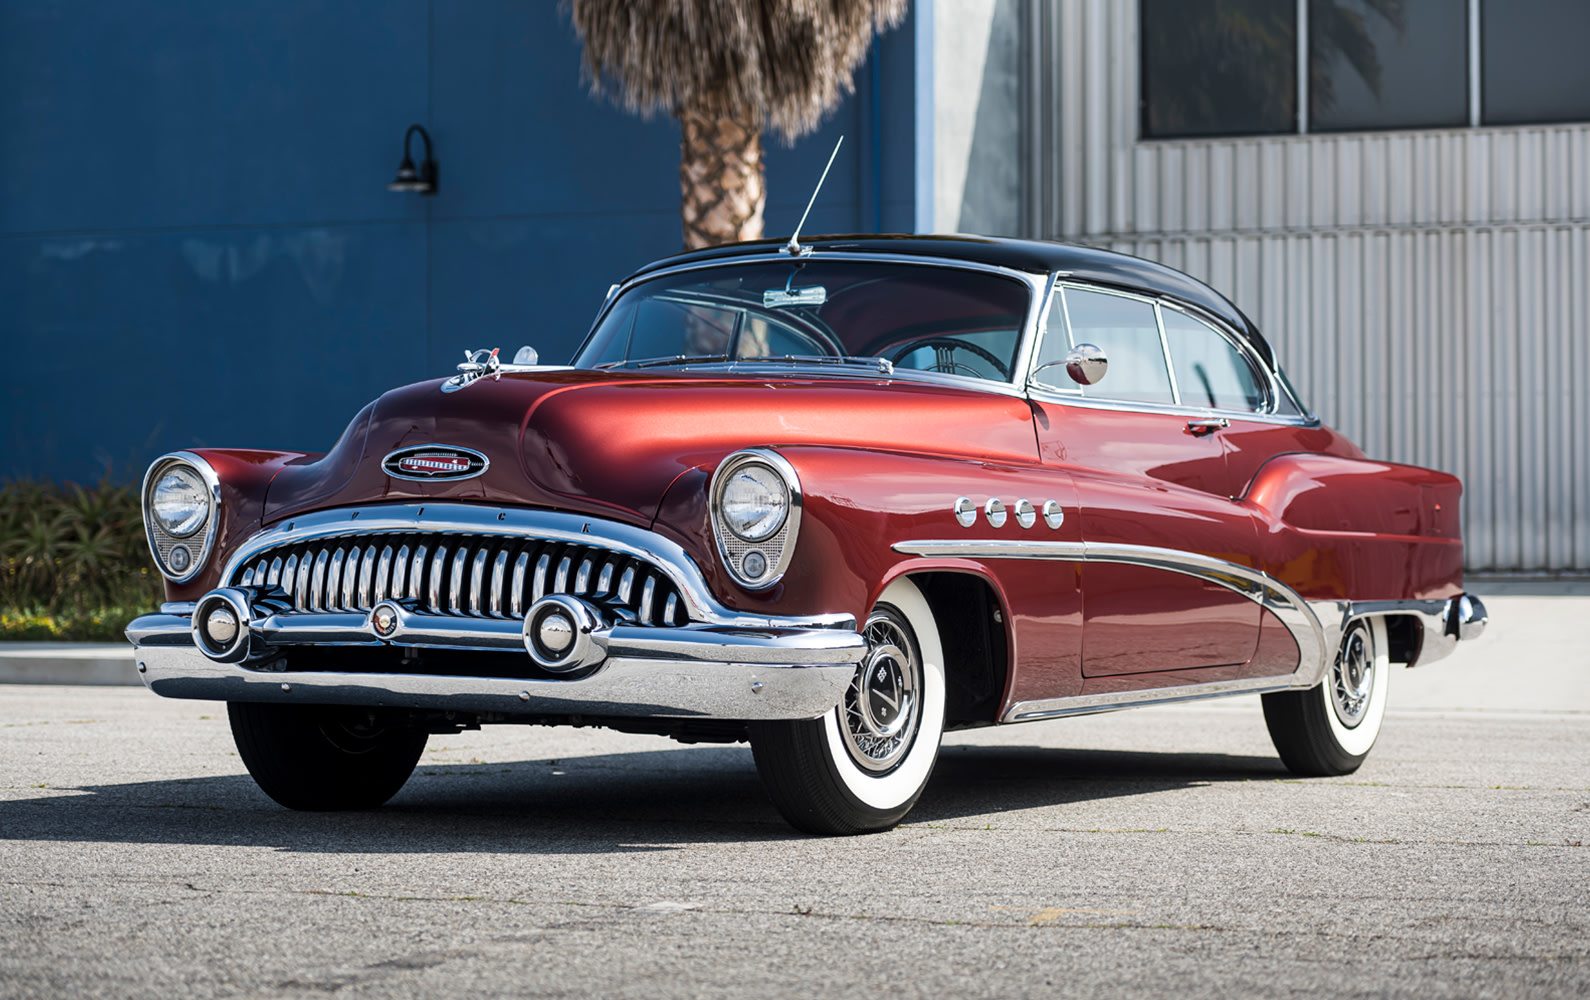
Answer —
1380 65
1533 63
1218 67
1237 67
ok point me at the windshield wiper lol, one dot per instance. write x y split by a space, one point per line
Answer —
681 359
883 365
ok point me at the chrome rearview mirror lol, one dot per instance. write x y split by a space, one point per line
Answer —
1085 364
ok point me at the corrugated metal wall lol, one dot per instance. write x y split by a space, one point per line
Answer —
1426 291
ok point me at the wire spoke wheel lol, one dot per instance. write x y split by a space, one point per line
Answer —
883 705
1353 678
861 767
1328 729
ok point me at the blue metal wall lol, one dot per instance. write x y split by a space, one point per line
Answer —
197 246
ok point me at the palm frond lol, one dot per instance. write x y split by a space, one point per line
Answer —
779 64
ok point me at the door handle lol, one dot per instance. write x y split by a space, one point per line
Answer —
1198 428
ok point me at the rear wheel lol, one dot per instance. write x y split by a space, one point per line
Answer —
861 767
1328 729
323 758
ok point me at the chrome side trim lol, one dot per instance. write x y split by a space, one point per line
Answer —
665 555
1314 645
1091 704
680 688
1316 626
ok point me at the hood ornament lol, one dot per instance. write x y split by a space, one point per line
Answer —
477 365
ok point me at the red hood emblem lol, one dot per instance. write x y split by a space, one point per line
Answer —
434 462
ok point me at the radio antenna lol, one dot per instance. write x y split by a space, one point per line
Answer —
793 247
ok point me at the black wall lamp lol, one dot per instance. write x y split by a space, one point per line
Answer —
423 180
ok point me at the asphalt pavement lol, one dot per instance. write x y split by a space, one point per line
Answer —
1150 853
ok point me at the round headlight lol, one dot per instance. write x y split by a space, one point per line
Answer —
754 502
179 502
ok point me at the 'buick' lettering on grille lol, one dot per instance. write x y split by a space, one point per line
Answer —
434 463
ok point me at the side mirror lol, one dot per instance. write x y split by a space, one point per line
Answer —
1085 364
526 356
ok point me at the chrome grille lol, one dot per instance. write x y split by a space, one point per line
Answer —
483 576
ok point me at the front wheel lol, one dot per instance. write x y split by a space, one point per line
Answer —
322 758
1328 729
861 767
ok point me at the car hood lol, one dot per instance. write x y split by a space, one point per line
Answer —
611 443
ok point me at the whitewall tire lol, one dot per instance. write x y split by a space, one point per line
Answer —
861 767
1330 728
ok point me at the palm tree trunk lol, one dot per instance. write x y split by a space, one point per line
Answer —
720 180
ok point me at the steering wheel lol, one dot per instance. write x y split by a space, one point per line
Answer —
944 349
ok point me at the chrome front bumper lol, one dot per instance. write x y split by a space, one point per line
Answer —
704 672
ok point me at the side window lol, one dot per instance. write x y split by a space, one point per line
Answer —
1128 333
1210 371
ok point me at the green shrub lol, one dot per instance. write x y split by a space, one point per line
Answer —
73 561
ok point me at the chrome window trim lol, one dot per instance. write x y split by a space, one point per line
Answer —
1283 419
1271 383
212 482
664 555
1038 286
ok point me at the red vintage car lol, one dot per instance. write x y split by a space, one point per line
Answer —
831 499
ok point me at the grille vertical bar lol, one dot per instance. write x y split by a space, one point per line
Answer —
476 576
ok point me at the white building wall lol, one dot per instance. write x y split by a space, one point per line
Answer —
1426 291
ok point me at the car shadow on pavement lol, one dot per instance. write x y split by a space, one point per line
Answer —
603 803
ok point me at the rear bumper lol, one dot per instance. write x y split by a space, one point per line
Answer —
1443 623
703 672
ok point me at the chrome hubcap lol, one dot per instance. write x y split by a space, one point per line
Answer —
1353 677
883 704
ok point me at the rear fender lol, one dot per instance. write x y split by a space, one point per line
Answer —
1353 529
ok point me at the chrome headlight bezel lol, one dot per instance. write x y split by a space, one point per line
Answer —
775 548
196 543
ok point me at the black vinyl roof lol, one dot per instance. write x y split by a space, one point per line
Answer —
1104 267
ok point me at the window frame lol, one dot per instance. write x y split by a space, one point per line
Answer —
1301 126
1265 378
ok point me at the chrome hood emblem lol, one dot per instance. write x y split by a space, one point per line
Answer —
435 461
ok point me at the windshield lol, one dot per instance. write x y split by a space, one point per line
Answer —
918 316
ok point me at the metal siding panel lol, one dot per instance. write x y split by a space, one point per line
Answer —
1196 185
1579 399
1122 91
1145 189
1272 188
1172 195
1372 173
1222 217
1247 187
1096 150
1559 389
